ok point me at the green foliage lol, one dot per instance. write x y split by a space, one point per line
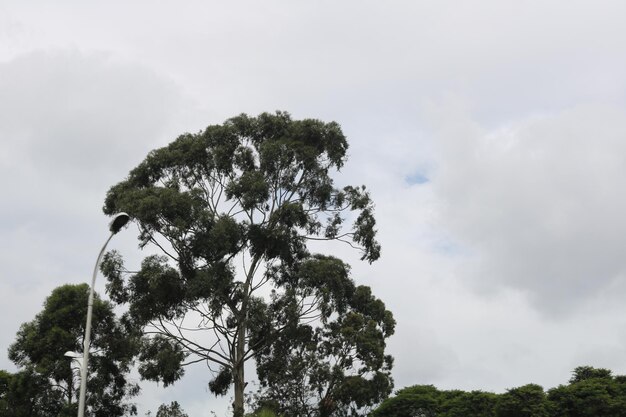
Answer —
583 373
232 210
336 366
526 401
172 410
47 383
5 382
220 384
475 403
29 394
418 400
592 392
161 360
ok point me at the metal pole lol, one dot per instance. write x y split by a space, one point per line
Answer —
115 226
87 339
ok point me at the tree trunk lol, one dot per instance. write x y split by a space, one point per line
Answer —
240 347
238 372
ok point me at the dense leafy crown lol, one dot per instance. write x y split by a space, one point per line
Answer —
260 184
232 210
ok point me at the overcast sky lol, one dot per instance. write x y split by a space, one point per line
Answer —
492 135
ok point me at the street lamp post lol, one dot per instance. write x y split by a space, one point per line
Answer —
75 357
75 370
116 224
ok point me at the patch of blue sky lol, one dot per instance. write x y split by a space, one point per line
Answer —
418 177
450 248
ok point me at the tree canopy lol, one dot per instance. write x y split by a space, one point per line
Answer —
591 392
232 211
48 380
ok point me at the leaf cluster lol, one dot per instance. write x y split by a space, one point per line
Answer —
172 410
29 394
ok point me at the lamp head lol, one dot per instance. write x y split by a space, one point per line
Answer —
118 222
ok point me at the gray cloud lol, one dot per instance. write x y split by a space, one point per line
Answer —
73 114
70 126
503 268
538 203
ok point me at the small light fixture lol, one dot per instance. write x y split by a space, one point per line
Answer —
118 222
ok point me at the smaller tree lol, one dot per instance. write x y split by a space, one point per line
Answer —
417 400
591 392
40 348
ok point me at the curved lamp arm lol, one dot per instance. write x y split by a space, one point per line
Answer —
115 226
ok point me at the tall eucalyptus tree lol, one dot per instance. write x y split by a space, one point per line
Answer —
233 210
